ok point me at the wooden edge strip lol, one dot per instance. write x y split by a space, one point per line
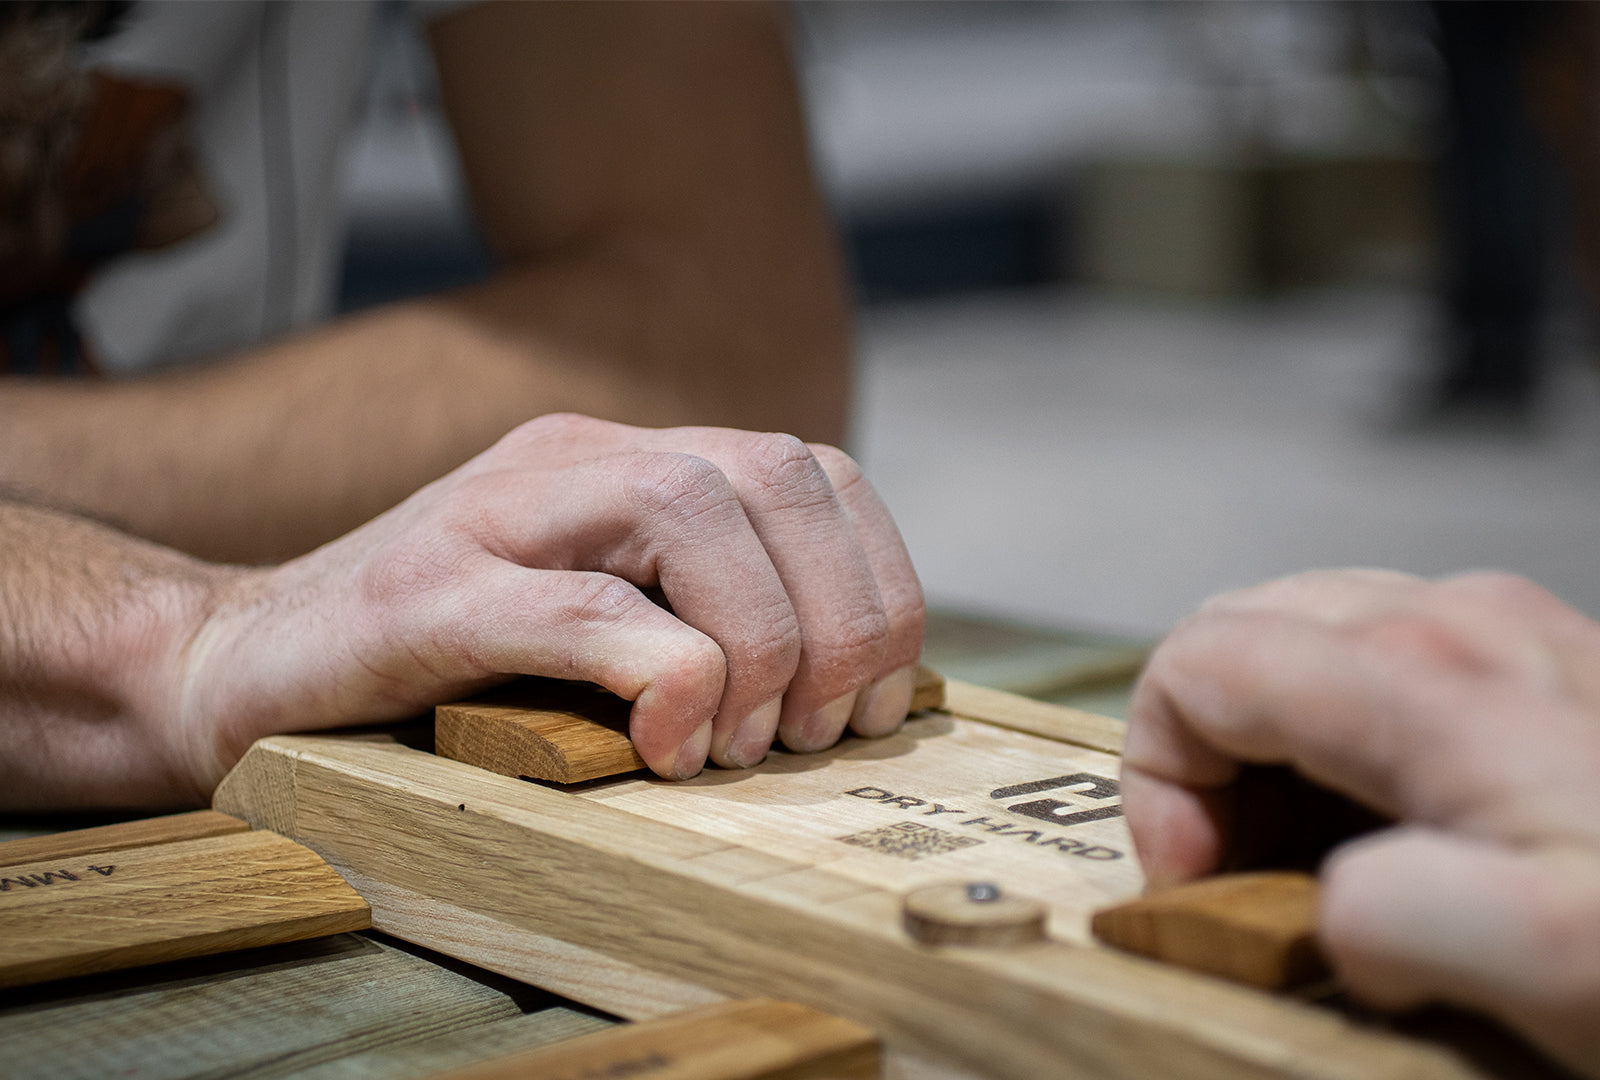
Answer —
1256 928
1058 722
545 729
541 744
127 834
734 1040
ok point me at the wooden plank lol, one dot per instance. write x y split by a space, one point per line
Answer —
742 884
736 1040
266 1013
108 910
126 834
543 729
1057 722
1258 929
566 732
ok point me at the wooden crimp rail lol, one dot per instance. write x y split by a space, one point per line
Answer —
793 880
568 732
1258 929
735 1040
144 892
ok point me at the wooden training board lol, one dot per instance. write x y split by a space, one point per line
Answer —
644 897
98 903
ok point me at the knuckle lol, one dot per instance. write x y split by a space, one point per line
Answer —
677 486
478 513
698 668
553 434
775 647
1416 638
906 607
841 468
1502 589
908 622
855 650
785 467
601 598
551 427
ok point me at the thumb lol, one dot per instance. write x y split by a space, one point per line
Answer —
1413 915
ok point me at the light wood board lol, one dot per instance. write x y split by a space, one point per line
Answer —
145 832
640 897
103 911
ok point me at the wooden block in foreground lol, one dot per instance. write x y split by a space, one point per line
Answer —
101 911
125 834
736 1040
543 729
568 732
1258 929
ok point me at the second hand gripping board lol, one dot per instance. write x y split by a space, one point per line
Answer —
813 878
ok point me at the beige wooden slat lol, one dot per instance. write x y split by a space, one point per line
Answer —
103 911
1057 722
125 834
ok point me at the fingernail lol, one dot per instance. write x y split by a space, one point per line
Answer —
881 707
822 728
692 754
748 743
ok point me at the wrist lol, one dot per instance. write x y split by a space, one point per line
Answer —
95 622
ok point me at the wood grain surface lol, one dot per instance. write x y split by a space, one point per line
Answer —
543 729
126 834
566 732
736 1040
1256 928
787 881
101 911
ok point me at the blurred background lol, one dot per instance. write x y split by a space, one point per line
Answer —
1163 298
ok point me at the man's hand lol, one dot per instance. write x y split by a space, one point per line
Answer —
1468 710
794 607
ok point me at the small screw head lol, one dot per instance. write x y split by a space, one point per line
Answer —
983 892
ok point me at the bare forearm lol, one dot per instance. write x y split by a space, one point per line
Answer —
291 445
93 625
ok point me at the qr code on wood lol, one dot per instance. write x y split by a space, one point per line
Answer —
910 840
